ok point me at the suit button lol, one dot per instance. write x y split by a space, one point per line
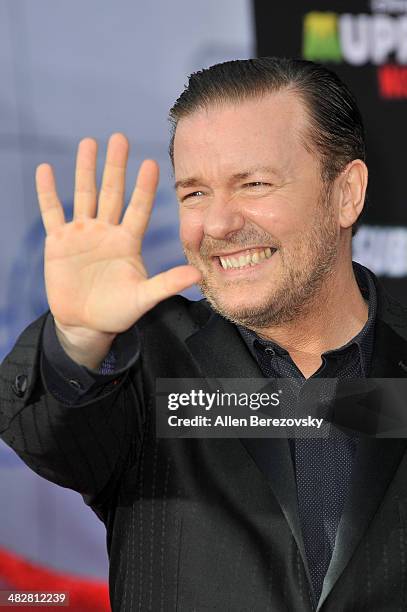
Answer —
75 384
20 385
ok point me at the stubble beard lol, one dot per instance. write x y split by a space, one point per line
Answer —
303 273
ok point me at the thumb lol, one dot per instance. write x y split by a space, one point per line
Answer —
167 283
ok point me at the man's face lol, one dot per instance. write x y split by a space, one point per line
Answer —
254 216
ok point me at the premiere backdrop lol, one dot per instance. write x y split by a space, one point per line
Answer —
72 69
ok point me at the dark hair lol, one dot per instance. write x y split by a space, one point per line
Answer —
336 127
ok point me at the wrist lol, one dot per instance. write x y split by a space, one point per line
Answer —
86 347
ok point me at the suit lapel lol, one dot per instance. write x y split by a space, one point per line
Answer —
375 464
272 457
221 353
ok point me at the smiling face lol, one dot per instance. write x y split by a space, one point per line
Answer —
255 216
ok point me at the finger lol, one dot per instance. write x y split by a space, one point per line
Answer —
164 285
114 179
51 209
138 212
85 179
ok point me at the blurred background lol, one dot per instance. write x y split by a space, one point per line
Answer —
71 69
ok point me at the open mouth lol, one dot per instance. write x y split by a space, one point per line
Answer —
245 259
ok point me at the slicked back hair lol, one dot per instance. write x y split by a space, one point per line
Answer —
336 130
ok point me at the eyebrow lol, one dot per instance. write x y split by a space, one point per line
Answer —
238 176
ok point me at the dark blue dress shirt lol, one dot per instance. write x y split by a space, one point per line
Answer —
322 466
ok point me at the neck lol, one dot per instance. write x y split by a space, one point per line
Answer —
335 315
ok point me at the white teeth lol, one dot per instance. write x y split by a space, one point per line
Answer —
251 259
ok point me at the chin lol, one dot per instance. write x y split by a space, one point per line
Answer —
241 307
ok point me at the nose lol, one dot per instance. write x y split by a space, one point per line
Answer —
222 217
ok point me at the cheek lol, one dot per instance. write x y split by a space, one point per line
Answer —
271 215
191 229
281 216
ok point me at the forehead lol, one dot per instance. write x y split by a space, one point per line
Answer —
231 135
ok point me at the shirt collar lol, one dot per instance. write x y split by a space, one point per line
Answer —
363 341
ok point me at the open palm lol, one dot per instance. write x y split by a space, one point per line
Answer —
94 272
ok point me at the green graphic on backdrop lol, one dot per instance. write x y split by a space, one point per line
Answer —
320 37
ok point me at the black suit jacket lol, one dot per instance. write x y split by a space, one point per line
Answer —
210 524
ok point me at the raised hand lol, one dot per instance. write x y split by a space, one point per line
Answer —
96 282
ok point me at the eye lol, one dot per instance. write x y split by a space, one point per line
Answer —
194 194
256 184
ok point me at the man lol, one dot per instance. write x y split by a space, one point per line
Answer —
268 159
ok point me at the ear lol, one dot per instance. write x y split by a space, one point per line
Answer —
353 184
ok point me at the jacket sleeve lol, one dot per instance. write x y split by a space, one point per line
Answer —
72 383
85 446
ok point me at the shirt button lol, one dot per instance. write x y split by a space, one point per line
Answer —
75 384
270 351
